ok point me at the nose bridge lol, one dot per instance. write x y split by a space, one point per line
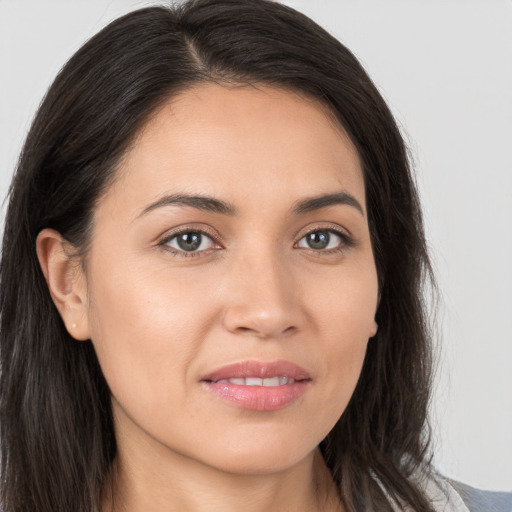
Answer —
262 298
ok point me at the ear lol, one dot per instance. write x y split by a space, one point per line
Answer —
66 282
374 329
375 326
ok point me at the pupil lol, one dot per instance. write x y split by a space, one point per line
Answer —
189 241
318 240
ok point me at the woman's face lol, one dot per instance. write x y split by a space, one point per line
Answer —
232 247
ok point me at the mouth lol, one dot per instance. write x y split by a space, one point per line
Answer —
256 381
258 386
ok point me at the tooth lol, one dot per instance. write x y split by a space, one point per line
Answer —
256 381
271 381
253 381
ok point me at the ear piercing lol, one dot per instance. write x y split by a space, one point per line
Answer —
73 326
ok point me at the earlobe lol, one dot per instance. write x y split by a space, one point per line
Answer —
66 282
374 329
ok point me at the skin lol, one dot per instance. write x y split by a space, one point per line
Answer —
160 320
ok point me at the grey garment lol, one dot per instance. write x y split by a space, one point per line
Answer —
483 501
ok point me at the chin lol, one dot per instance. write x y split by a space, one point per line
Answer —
263 457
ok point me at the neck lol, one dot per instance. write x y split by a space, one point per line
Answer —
188 486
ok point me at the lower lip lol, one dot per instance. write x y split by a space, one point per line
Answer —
258 398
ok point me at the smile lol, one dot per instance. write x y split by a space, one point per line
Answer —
258 386
256 381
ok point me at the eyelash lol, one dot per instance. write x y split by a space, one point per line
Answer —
184 254
346 241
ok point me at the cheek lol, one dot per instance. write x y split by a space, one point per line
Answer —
344 310
145 334
344 303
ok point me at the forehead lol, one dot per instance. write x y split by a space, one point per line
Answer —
239 143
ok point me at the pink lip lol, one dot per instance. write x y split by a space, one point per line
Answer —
258 398
259 369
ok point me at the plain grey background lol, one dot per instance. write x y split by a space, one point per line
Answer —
445 68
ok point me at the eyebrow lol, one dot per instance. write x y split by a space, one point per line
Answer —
200 202
211 204
325 200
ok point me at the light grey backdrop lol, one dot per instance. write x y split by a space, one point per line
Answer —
445 67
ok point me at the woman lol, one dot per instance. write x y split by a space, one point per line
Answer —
211 279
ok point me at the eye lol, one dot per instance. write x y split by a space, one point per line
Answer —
189 241
322 239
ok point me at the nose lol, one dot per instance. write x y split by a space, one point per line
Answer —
262 298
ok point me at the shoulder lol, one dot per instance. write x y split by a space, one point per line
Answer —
446 495
477 500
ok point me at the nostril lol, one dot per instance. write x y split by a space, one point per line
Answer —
262 333
267 321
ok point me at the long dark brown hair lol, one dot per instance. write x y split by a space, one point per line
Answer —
57 435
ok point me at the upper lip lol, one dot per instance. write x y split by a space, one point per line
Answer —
261 369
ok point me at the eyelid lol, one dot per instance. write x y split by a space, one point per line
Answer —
346 236
325 226
347 240
186 228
